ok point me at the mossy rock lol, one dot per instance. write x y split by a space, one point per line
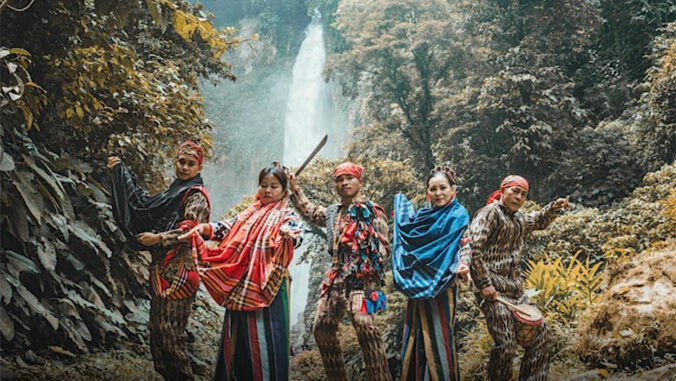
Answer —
635 319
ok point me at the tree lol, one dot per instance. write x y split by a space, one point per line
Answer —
403 53
659 134
84 80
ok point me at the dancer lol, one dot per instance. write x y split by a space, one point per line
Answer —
429 251
498 233
356 231
248 275
154 223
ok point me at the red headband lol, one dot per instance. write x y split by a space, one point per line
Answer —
193 149
348 169
509 181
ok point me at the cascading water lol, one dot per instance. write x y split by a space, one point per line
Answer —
308 119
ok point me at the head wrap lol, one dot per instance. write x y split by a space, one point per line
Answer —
193 149
348 169
509 181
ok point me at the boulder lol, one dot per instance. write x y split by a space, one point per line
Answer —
635 319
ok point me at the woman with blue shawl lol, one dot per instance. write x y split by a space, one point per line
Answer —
430 250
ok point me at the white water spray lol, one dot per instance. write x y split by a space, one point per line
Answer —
307 121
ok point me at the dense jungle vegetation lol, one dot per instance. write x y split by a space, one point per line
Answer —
578 96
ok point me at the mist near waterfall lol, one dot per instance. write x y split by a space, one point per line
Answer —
273 112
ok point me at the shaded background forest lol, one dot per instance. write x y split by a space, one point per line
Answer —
577 96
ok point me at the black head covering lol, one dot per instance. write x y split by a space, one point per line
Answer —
136 212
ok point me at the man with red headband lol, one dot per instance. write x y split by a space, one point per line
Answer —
154 223
498 232
356 231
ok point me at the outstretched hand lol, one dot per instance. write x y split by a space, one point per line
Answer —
200 229
286 232
463 271
148 239
561 203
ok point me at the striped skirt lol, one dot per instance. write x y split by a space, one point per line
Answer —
428 350
255 344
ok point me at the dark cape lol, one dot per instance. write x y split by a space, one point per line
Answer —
136 212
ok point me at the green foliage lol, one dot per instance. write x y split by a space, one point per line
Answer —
629 226
130 91
403 53
563 291
62 285
119 104
511 87
113 82
21 99
281 22
629 30
598 166
660 134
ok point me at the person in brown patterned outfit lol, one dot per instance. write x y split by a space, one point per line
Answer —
154 223
498 232
356 231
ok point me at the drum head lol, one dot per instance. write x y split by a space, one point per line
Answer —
534 317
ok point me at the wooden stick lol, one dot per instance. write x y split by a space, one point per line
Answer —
513 306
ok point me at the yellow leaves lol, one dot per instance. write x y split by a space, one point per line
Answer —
35 85
61 351
19 51
18 90
155 11
564 289
79 112
186 24
183 25
254 37
669 207
27 114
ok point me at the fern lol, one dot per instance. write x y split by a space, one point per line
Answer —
564 290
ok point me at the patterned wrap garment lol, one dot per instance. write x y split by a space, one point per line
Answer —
343 291
428 247
498 236
248 274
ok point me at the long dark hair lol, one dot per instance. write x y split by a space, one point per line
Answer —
277 170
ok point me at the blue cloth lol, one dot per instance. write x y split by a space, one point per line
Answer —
425 247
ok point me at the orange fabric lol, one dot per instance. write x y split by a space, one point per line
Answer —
509 181
193 149
348 169
247 268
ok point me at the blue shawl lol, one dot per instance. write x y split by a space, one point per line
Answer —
425 247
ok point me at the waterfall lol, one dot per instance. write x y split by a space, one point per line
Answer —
308 119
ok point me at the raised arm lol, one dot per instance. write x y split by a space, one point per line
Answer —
313 213
541 219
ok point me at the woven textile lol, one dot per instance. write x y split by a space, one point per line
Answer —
429 350
247 268
136 211
426 245
255 345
